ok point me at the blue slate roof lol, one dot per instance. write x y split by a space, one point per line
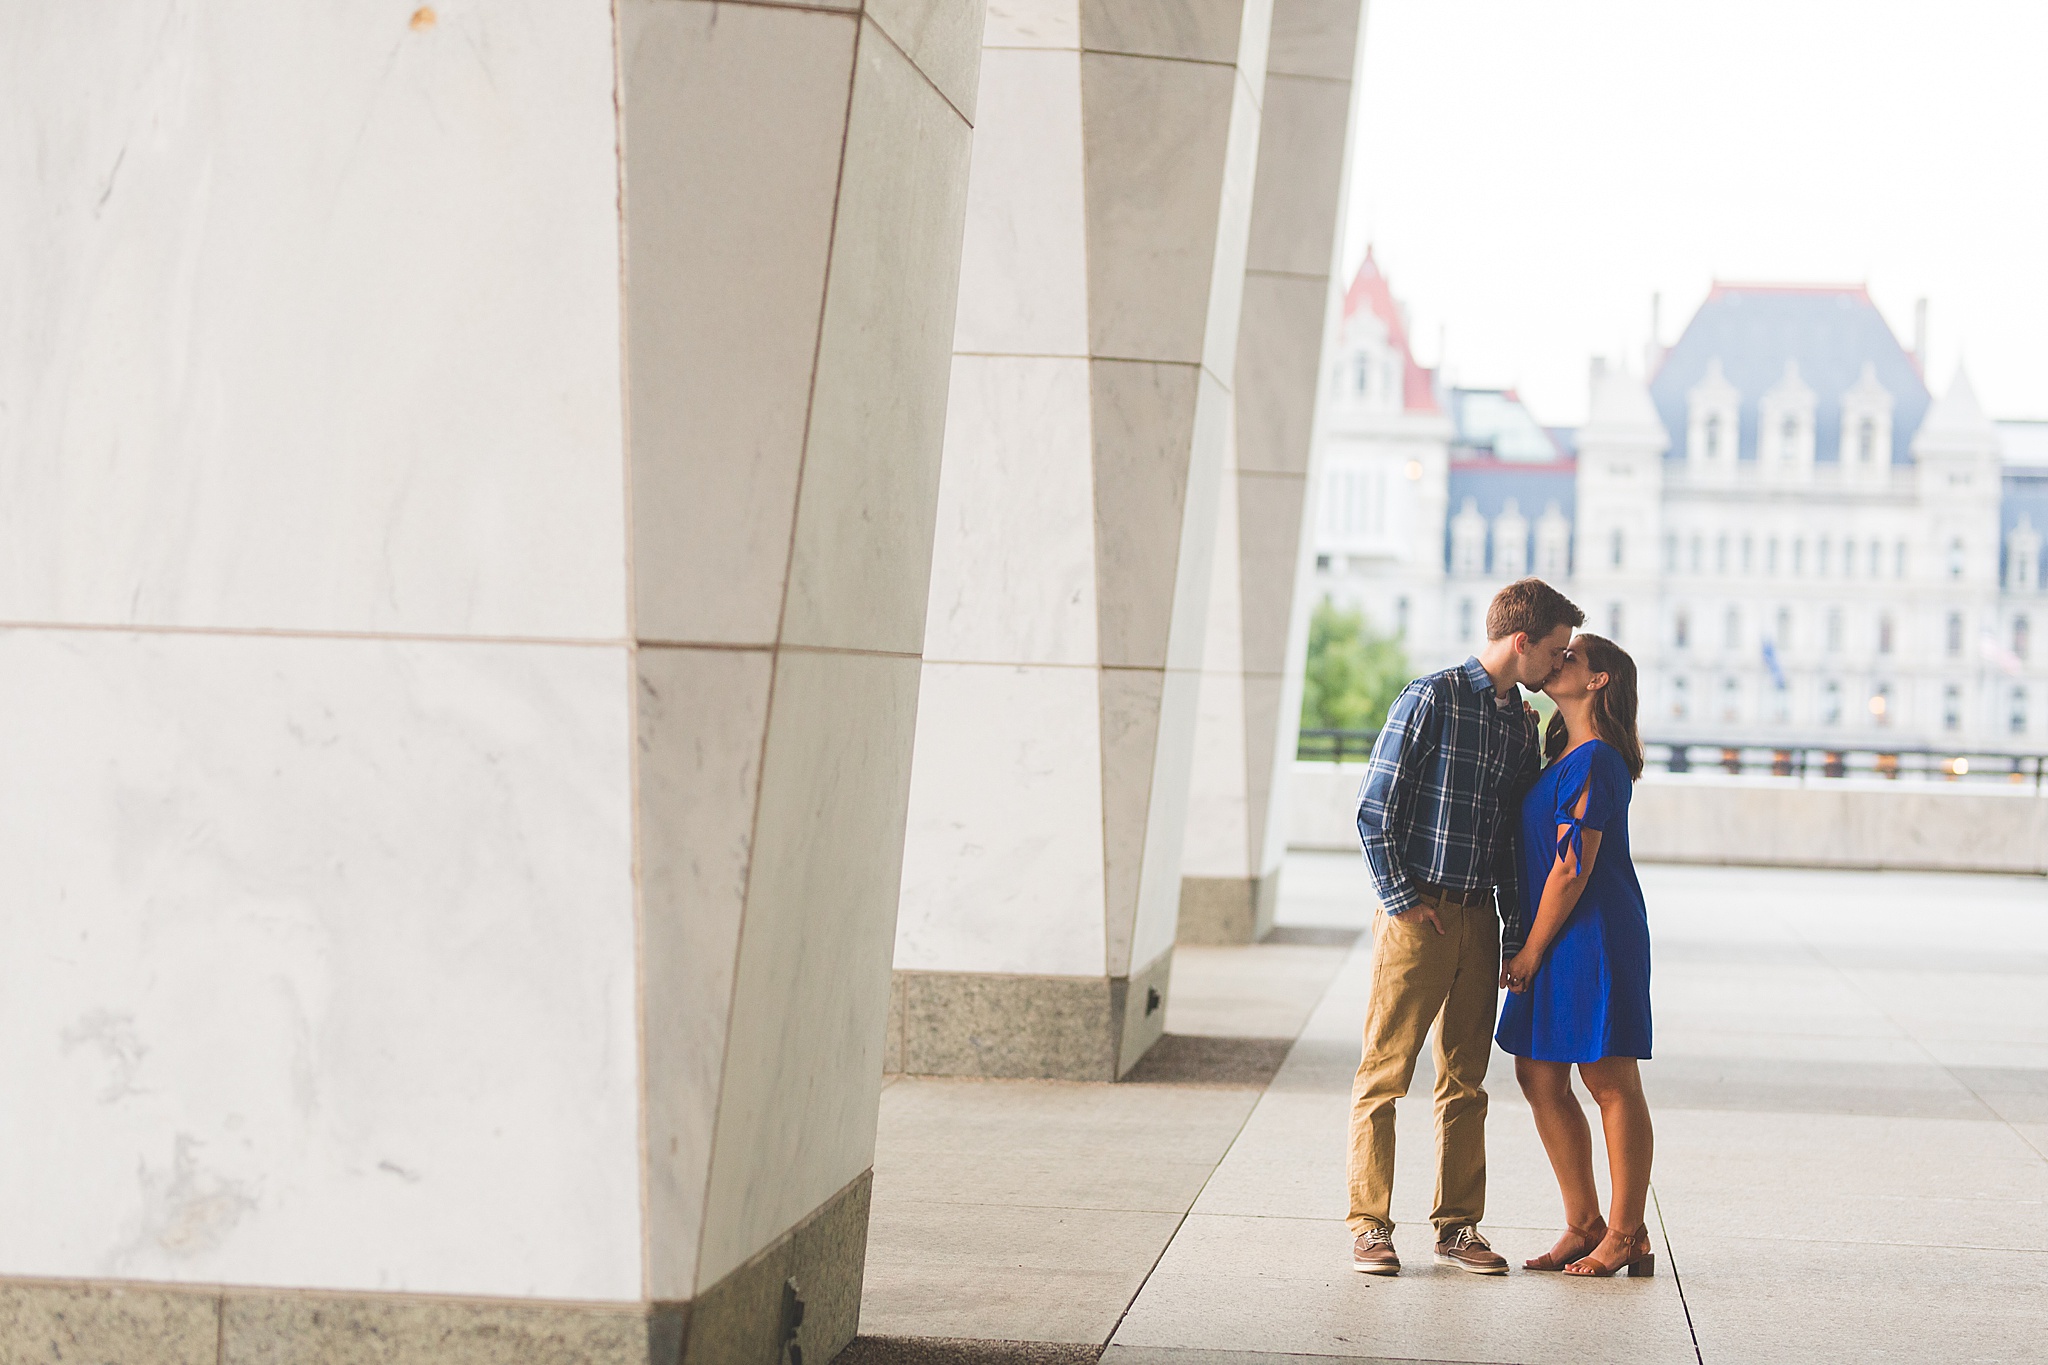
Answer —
1754 329
1490 483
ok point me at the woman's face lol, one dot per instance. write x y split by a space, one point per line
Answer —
1573 674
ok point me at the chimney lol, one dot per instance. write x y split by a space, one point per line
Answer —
1920 335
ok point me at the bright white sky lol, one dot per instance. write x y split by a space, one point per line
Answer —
1530 171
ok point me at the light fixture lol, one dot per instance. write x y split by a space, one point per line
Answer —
1960 767
1877 704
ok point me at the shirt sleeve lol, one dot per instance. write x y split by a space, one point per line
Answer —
1399 759
1507 870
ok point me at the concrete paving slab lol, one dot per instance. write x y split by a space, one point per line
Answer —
1257 990
1764 1302
1052 1144
1005 1273
1285 1286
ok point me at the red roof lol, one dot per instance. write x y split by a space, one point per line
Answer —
1369 292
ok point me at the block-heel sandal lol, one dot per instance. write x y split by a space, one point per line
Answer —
1640 1260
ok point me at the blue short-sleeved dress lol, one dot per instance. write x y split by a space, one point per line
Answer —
1591 997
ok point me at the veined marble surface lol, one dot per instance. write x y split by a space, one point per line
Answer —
312 317
319 964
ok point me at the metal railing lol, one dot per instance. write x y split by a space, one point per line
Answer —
1805 762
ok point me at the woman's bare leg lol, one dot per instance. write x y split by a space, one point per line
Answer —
1617 1085
1561 1123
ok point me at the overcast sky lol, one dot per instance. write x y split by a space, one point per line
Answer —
1529 172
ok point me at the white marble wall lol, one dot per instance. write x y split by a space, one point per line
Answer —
1251 677
459 650
1108 208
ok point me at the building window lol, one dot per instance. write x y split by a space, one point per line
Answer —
1681 700
1361 374
1866 441
1788 440
1820 558
1614 549
1799 556
1955 558
1731 699
1784 629
1881 704
1955 634
1876 560
1465 618
1714 436
1731 628
1681 628
1899 561
1951 707
2017 722
1697 560
1834 629
1614 622
1721 554
1322 563
1771 556
1670 553
2019 637
1884 633
1831 702
1747 546
1400 616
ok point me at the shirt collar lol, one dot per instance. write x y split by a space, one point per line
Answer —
1480 681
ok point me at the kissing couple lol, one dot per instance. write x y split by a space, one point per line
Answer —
1502 861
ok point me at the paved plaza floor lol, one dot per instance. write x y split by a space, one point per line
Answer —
1851 1102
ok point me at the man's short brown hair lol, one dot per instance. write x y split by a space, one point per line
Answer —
1530 606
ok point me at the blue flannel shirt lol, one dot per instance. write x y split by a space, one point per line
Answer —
1443 790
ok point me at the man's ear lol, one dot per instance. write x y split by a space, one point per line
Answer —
1520 639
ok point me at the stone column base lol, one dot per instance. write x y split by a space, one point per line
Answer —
1064 1028
1227 909
741 1320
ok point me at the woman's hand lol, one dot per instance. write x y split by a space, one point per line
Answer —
1515 975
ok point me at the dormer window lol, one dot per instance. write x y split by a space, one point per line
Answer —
1712 431
1468 541
1866 426
1361 374
1785 417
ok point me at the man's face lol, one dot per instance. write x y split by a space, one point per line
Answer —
1540 659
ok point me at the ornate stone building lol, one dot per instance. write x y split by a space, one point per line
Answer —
1796 540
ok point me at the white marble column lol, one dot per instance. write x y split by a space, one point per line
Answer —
1108 208
1252 666
467 477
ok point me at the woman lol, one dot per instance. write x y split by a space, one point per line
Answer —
1580 989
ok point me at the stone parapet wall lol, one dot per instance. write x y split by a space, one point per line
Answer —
1776 822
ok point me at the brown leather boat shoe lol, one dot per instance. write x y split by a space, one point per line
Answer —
1373 1253
1463 1247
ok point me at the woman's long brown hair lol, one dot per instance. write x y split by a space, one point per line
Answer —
1614 706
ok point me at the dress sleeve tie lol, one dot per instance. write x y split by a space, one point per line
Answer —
1572 841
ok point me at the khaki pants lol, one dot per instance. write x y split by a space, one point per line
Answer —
1420 976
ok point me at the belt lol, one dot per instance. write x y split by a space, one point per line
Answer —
1478 896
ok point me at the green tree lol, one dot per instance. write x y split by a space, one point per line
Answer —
1354 673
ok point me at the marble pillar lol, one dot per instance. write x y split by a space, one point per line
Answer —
1258 608
467 478
1109 203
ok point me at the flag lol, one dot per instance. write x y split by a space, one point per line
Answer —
1771 662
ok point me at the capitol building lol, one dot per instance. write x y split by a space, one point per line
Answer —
1797 539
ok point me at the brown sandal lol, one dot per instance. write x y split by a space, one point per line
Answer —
1591 1236
1637 1260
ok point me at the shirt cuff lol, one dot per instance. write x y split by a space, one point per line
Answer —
1401 897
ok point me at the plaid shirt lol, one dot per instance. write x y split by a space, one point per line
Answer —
1441 796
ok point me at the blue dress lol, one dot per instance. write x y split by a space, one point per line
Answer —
1591 997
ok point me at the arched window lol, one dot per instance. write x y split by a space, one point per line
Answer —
1866 441
1788 439
1615 546
1884 633
1876 560
1955 634
1834 629
1714 436
1361 373
1784 629
1681 629
1955 557
1731 628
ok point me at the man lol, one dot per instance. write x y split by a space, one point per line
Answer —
1437 814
